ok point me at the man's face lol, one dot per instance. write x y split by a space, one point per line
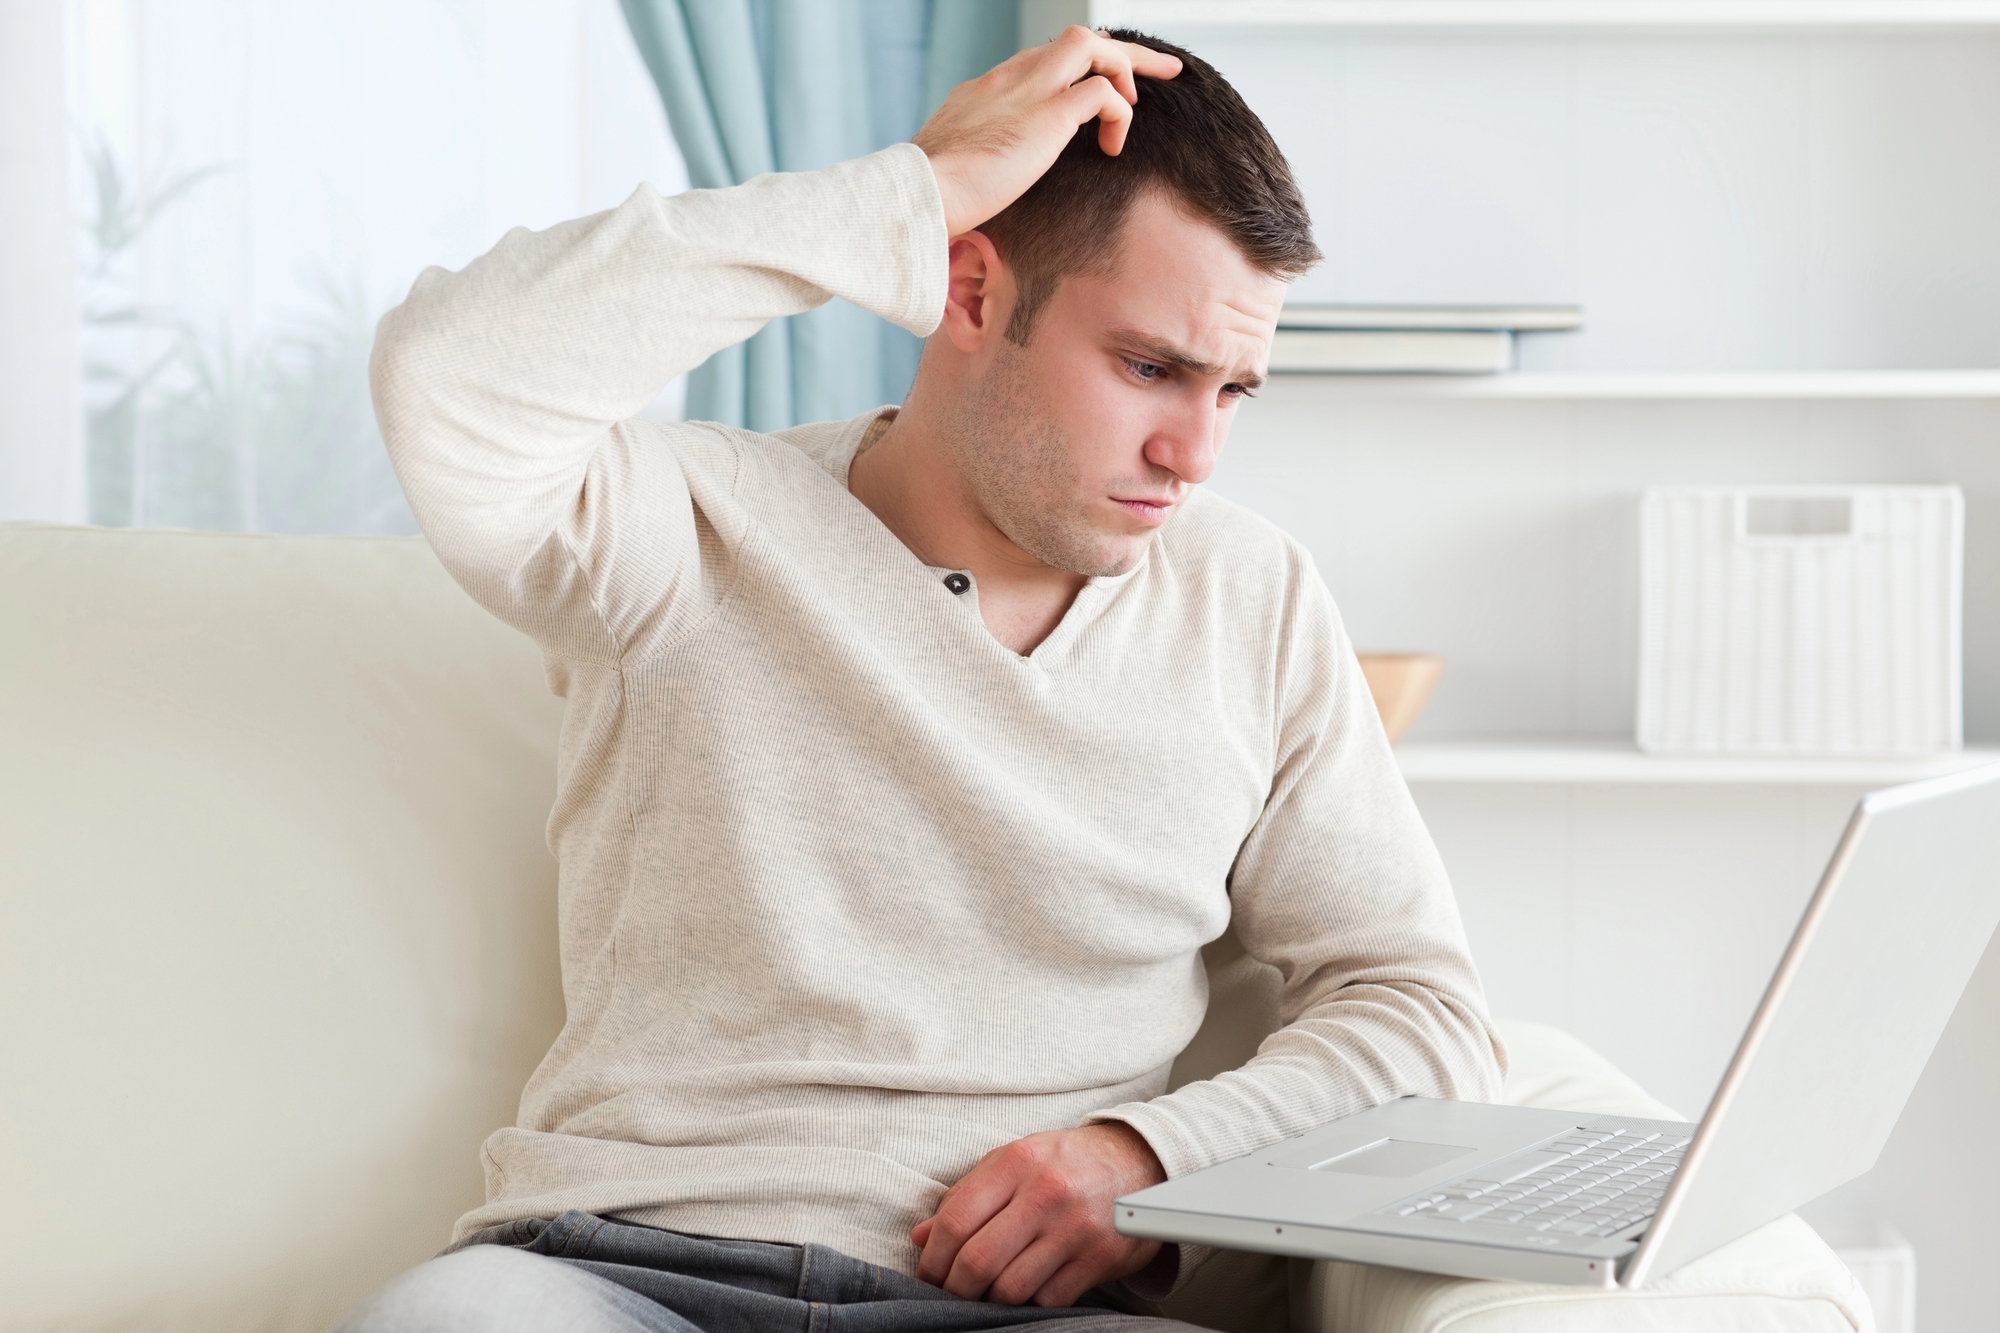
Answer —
1081 445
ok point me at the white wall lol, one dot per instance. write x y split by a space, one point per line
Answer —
1755 202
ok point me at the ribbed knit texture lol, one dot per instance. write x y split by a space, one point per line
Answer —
850 893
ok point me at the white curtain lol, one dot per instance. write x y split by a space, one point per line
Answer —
254 181
41 459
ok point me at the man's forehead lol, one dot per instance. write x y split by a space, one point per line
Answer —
1183 319
1165 251
1182 307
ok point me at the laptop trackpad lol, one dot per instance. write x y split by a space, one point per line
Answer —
1393 1157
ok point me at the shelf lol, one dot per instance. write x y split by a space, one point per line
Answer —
1868 15
1615 759
1915 384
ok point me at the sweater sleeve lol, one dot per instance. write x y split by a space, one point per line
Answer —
1339 887
503 390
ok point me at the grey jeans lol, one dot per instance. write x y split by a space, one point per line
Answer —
583 1274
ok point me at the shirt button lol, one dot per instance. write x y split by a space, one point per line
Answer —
958 583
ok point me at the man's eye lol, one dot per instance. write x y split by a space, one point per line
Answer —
1236 391
1145 370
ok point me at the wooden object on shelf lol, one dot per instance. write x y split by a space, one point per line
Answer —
1401 684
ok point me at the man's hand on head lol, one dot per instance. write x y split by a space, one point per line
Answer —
996 135
1032 1221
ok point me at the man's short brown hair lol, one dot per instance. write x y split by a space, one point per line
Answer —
1192 139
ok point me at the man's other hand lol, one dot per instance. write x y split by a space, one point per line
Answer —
1032 1222
996 134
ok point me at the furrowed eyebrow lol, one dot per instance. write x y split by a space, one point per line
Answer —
1166 354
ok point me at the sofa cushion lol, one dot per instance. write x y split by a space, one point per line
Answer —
277 927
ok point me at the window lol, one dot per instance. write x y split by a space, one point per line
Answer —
256 181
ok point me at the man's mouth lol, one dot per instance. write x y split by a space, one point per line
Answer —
1146 511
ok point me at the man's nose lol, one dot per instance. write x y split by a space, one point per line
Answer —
1185 444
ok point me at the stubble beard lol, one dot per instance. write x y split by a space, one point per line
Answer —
1023 474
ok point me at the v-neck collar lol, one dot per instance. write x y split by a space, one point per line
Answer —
1090 599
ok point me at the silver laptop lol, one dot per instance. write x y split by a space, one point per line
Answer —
1872 974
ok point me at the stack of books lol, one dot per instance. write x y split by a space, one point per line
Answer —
1408 339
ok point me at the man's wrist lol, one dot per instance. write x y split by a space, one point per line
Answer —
1137 1162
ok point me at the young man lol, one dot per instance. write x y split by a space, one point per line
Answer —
910 761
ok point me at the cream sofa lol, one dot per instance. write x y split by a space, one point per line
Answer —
277 949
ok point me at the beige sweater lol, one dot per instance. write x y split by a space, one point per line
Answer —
851 894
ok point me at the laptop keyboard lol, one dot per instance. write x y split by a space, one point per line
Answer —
1588 1183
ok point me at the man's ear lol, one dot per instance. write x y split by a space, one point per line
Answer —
981 295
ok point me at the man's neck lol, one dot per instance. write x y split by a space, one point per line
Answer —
907 479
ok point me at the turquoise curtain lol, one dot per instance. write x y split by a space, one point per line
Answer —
794 85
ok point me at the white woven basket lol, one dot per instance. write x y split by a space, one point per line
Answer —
1801 619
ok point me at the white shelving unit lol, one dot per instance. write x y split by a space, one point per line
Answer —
1724 186
1874 15
1616 759
1858 384
1747 199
